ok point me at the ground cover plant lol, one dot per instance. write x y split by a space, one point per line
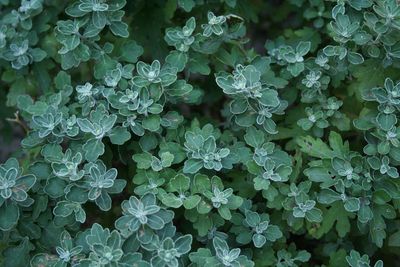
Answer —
200 133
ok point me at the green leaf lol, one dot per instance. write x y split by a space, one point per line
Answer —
93 149
170 200
386 121
200 256
336 143
151 123
179 88
259 240
336 214
18 256
187 5
9 214
352 204
177 60
179 183
355 58
119 28
143 160
99 19
119 135
377 230
192 166
166 159
201 183
303 48
191 202
394 240
131 51
314 215
62 80
273 233
319 175
315 147
183 244
254 137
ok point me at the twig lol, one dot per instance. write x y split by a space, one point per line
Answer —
18 121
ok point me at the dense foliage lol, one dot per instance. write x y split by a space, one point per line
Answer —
200 133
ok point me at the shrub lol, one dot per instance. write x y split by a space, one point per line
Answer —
165 133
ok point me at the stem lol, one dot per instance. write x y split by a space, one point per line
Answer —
18 121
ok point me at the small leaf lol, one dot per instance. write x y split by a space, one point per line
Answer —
192 166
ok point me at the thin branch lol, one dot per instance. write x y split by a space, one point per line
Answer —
18 121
